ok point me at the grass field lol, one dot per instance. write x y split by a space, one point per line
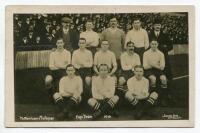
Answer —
31 98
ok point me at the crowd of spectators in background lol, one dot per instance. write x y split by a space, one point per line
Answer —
41 29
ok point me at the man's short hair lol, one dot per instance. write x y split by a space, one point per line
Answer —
135 19
113 17
103 65
82 39
59 38
139 66
129 43
89 20
70 65
153 40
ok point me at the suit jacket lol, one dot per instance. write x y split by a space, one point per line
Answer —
70 39
165 44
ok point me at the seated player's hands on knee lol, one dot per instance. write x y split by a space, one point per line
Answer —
57 96
154 95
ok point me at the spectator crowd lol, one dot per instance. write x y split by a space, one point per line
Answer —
33 30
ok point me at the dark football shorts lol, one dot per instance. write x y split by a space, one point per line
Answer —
57 75
84 72
127 74
153 71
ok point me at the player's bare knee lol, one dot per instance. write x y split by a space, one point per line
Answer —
154 95
115 78
48 79
92 102
152 80
88 80
122 81
163 79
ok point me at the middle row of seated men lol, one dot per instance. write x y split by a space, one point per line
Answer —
107 76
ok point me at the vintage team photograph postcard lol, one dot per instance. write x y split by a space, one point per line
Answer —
100 66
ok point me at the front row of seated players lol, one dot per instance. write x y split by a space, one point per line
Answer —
82 61
103 98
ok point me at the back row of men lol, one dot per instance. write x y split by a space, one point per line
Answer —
98 78
117 38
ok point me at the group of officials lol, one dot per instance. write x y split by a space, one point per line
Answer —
134 67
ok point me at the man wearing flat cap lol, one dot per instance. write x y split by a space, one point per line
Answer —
70 36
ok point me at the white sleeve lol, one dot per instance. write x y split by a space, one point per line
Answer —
95 40
125 66
127 39
145 61
138 60
146 88
95 59
80 87
61 86
114 61
162 60
69 58
111 91
74 60
95 91
146 39
89 61
51 62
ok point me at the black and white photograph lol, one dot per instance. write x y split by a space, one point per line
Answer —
107 64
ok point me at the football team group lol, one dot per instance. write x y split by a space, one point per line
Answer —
132 68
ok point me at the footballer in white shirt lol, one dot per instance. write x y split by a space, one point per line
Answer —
58 61
129 59
92 38
139 36
154 64
103 98
105 56
138 94
69 95
83 61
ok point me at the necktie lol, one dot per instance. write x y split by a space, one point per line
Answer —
157 34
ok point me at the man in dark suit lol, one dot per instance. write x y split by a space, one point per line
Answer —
70 36
164 45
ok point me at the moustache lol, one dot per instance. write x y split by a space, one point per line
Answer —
132 49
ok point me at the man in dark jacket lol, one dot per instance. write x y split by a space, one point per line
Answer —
164 45
70 36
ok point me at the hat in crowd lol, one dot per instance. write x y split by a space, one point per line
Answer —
66 20
157 21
